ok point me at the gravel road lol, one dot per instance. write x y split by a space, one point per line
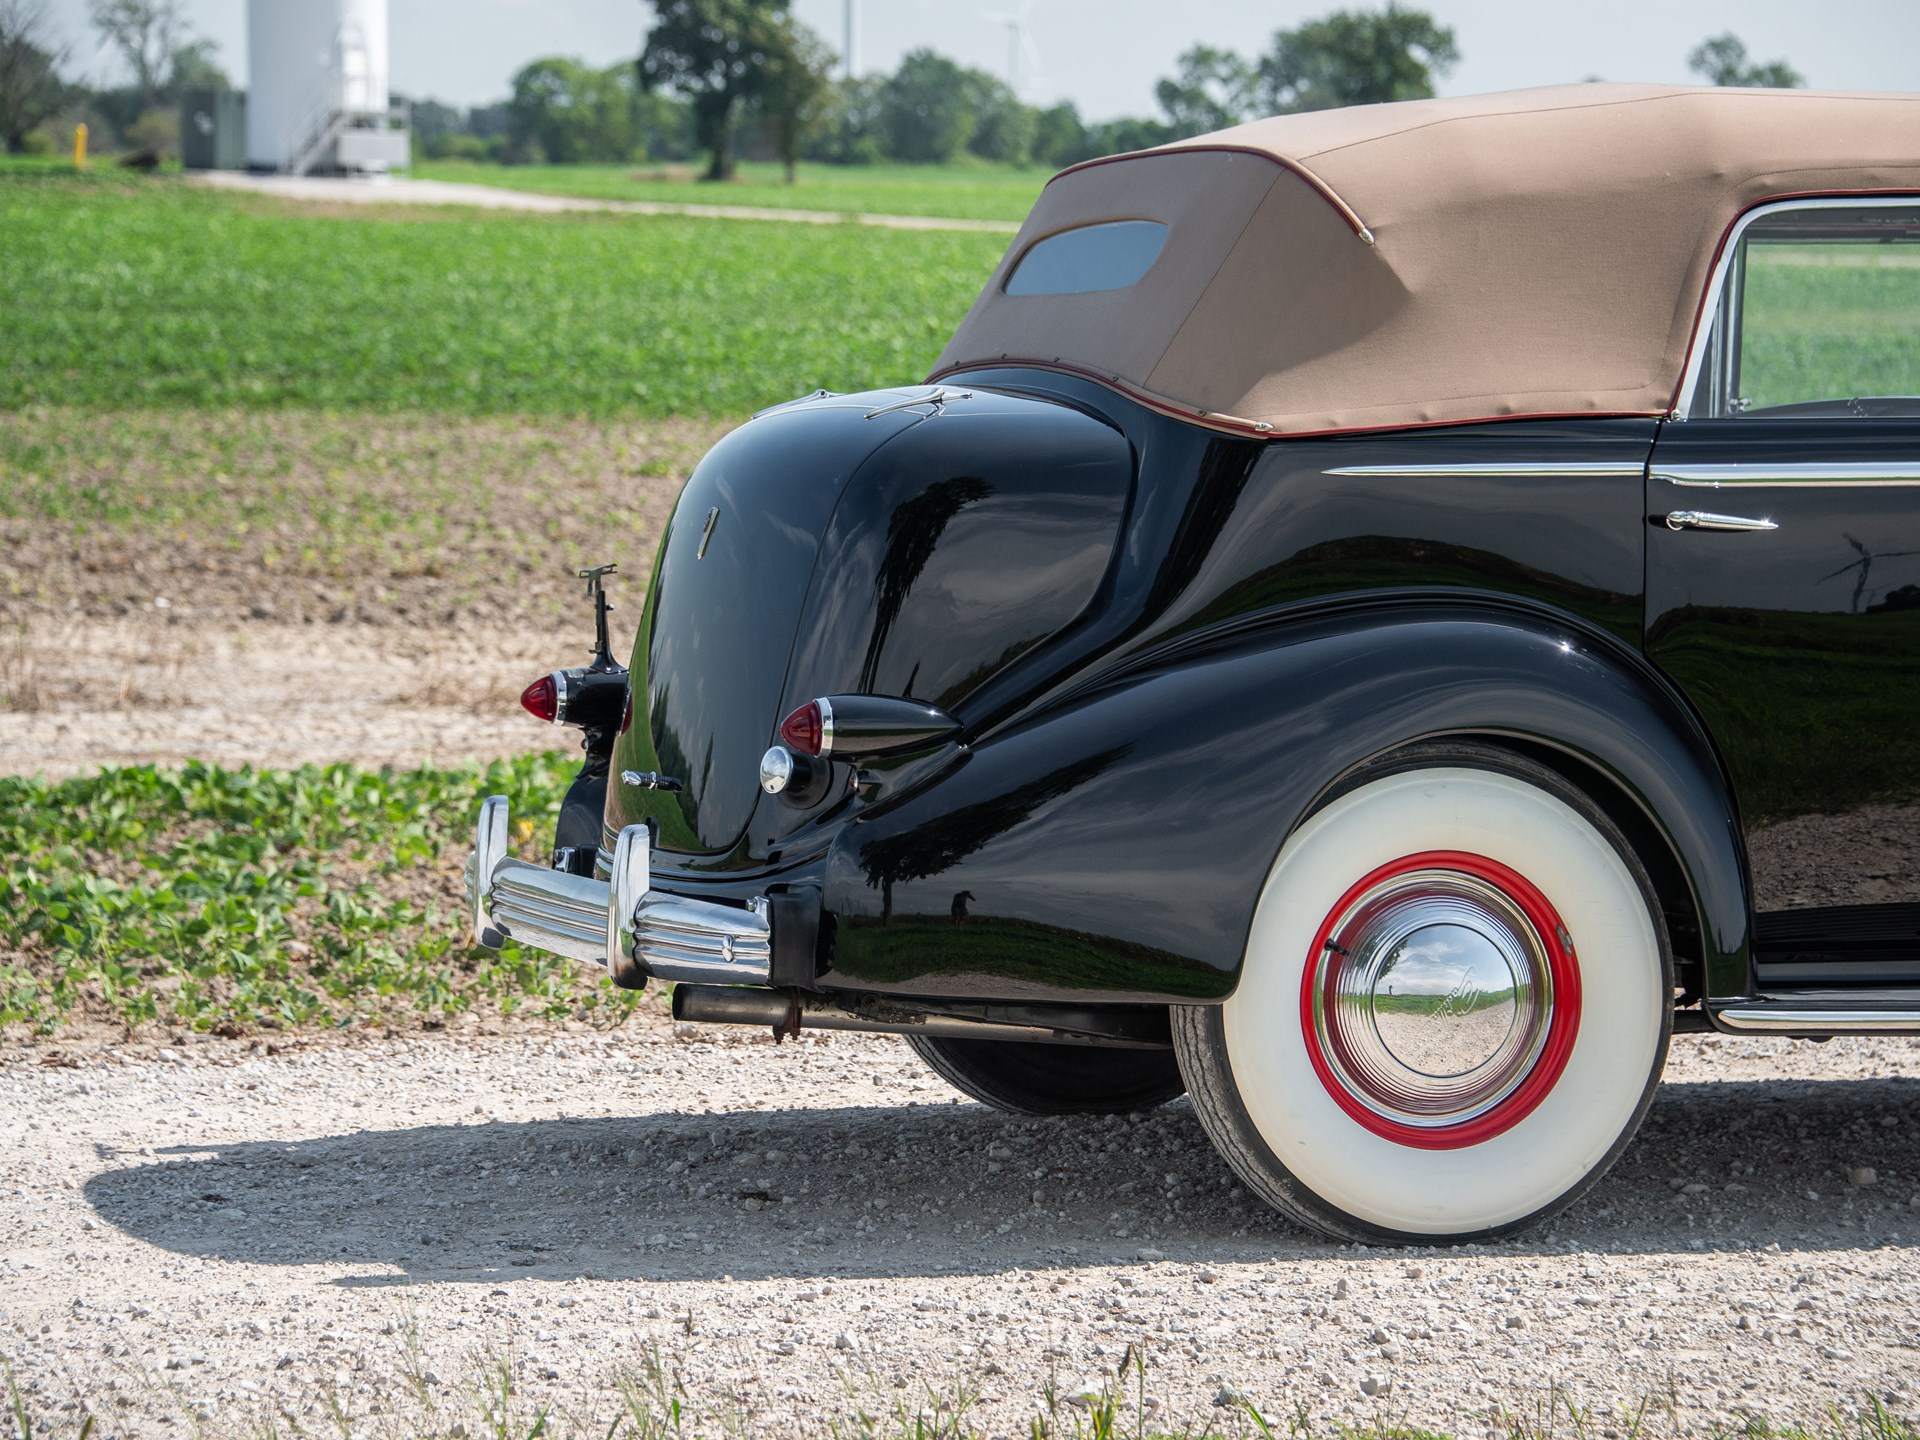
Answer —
198 1236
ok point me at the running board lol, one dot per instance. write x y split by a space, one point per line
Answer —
1822 1012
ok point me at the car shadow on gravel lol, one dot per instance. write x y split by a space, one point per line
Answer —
955 1189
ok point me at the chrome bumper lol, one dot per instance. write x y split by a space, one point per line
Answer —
668 937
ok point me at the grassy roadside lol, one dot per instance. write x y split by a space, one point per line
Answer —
243 901
962 192
499 1397
121 292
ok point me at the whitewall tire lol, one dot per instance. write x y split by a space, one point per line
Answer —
1454 1008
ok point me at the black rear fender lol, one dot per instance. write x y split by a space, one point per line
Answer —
1114 846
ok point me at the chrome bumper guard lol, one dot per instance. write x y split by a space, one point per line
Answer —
668 937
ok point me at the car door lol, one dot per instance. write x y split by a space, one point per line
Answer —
1783 577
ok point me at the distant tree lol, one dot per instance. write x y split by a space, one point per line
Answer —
434 126
1003 126
490 122
192 66
1354 57
148 34
795 90
1214 89
850 130
1722 60
1059 136
926 110
715 54
1118 137
30 86
567 112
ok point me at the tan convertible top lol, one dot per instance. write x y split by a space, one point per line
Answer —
1538 252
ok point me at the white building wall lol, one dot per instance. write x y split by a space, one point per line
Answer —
306 55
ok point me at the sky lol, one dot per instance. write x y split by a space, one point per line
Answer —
1105 55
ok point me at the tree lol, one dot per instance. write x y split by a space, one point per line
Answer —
1060 136
925 109
193 67
566 112
1003 125
30 86
1722 60
715 54
1214 89
795 91
1353 57
148 34
850 130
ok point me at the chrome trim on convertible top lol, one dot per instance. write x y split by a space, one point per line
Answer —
1500 467
1716 283
1713 476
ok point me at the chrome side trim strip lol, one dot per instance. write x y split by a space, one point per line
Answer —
1495 468
1710 306
1771 1019
1777 476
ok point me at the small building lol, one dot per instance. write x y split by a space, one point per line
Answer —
213 129
318 98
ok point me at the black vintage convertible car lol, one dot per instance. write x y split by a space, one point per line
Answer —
1376 619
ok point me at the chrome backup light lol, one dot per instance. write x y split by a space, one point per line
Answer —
776 769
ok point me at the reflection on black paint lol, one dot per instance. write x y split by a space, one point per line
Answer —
1815 712
936 848
1862 569
1380 562
913 534
1225 470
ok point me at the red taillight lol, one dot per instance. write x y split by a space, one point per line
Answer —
542 699
802 729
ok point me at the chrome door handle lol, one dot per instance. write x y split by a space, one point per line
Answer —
1707 520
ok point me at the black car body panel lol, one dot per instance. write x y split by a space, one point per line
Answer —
1113 846
1131 757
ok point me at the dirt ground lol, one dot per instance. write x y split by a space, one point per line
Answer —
205 1234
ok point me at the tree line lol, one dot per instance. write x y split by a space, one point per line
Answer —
716 80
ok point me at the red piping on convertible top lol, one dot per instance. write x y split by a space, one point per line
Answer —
1320 187
1259 430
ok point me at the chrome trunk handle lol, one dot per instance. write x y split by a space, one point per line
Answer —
1707 520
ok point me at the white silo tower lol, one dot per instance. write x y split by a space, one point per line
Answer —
317 91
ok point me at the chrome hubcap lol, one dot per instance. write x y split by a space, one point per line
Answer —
1432 997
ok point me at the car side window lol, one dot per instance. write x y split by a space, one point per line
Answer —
1819 315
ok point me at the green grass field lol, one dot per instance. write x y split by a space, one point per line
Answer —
1830 322
241 900
964 192
129 292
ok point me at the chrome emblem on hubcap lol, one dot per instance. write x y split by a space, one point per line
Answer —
1432 997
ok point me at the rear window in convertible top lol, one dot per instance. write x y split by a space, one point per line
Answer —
1108 256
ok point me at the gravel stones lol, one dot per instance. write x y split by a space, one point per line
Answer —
879 1249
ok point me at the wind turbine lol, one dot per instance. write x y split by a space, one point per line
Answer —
851 54
1020 46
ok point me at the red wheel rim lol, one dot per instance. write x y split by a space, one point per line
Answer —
1404 1066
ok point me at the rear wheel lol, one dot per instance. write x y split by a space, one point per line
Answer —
1034 1079
1454 1008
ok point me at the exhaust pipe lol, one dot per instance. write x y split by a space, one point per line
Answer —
788 1012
